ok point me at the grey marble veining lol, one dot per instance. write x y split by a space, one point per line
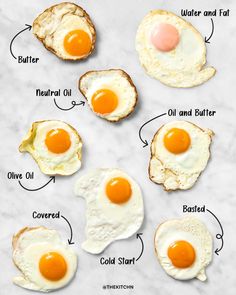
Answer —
117 145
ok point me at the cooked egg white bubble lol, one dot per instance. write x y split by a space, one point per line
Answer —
118 95
114 207
176 168
55 145
56 22
30 248
171 50
184 248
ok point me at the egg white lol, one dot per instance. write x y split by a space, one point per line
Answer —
181 67
193 231
50 163
106 221
115 80
29 249
179 171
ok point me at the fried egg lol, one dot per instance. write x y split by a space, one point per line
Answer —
45 262
180 151
171 50
114 207
66 30
184 248
111 94
55 146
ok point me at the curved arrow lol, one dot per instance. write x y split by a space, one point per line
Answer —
218 236
138 236
71 232
52 178
73 103
28 27
139 133
212 31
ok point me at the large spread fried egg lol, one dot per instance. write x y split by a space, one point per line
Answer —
171 50
45 262
66 30
180 151
184 248
111 94
114 207
55 145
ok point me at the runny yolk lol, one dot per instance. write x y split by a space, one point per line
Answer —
177 140
104 101
58 141
118 190
52 266
181 254
77 43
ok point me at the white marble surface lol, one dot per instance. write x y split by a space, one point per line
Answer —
117 145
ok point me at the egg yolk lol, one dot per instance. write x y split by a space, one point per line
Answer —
165 37
104 101
177 140
52 266
77 43
181 254
58 141
118 190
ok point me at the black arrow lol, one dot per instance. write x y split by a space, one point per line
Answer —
73 103
71 232
138 236
52 179
218 236
212 31
139 133
28 27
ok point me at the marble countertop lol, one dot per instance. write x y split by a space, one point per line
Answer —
117 145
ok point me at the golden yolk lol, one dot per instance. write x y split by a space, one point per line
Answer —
118 190
181 254
77 43
104 101
53 266
58 141
177 140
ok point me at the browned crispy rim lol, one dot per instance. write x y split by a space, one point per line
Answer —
16 237
123 73
79 154
155 249
153 156
88 20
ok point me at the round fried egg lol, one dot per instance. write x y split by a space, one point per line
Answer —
55 146
111 94
66 30
171 50
184 248
45 262
114 207
180 151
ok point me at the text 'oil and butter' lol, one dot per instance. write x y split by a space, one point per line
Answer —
191 113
